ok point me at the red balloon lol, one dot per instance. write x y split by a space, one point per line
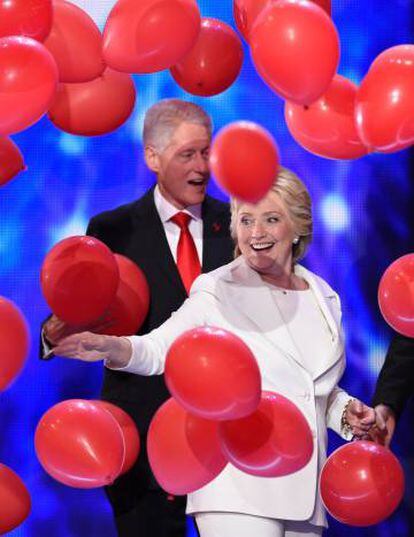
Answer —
31 18
361 483
130 306
28 79
14 342
214 62
183 450
246 12
273 441
213 374
80 444
326 127
295 49
79 279
129 432
324 4
15 501
396 295
384 108
93 108
76 43
244 160
11 160
150 35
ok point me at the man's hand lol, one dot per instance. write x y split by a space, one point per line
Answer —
385 425
360 418
89 347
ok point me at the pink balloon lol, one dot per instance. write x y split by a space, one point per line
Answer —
295 49
273 441
183 450
76 43
28 80
384 108
326 127
361 483
244 160
396 295
213 374
149 35
80 444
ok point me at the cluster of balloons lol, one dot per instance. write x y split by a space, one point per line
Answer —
396 295
87 286
55 60
218 414
86 444
295 49
15 502
361 483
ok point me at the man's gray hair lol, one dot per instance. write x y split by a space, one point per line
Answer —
162 119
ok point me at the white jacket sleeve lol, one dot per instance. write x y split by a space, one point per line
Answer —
149 351
336 404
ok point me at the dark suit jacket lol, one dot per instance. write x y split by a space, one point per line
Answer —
136 231
396 379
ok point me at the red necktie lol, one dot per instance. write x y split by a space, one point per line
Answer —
188 262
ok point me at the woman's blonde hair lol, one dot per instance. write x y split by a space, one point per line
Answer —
296 198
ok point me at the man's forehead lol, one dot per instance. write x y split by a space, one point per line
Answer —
186 132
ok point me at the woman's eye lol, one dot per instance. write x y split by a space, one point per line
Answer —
245 221
273 219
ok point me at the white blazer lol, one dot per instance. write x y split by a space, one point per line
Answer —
234 297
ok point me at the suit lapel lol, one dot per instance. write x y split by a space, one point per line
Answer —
149 234
328 303
254 299
216 241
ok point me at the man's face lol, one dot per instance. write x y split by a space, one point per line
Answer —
182 167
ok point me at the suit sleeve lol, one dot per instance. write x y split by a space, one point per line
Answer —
396 379
338 398
149 351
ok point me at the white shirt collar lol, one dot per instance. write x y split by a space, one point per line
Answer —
166 210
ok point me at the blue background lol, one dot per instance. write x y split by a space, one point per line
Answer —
363 221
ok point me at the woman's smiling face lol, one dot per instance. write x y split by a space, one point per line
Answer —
265 233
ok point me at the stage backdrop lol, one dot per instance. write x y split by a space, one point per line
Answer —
363 221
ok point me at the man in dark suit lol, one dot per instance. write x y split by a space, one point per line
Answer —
395 385
176 140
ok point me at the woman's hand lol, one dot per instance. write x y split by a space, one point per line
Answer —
55 329
90 347
360 418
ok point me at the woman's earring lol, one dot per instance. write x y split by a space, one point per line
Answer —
295 240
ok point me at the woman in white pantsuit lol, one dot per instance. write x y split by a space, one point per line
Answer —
291 320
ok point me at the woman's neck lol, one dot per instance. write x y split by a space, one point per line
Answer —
285 281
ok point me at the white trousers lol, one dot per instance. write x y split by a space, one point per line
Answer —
223 524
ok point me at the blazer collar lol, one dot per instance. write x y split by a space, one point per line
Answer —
254 299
